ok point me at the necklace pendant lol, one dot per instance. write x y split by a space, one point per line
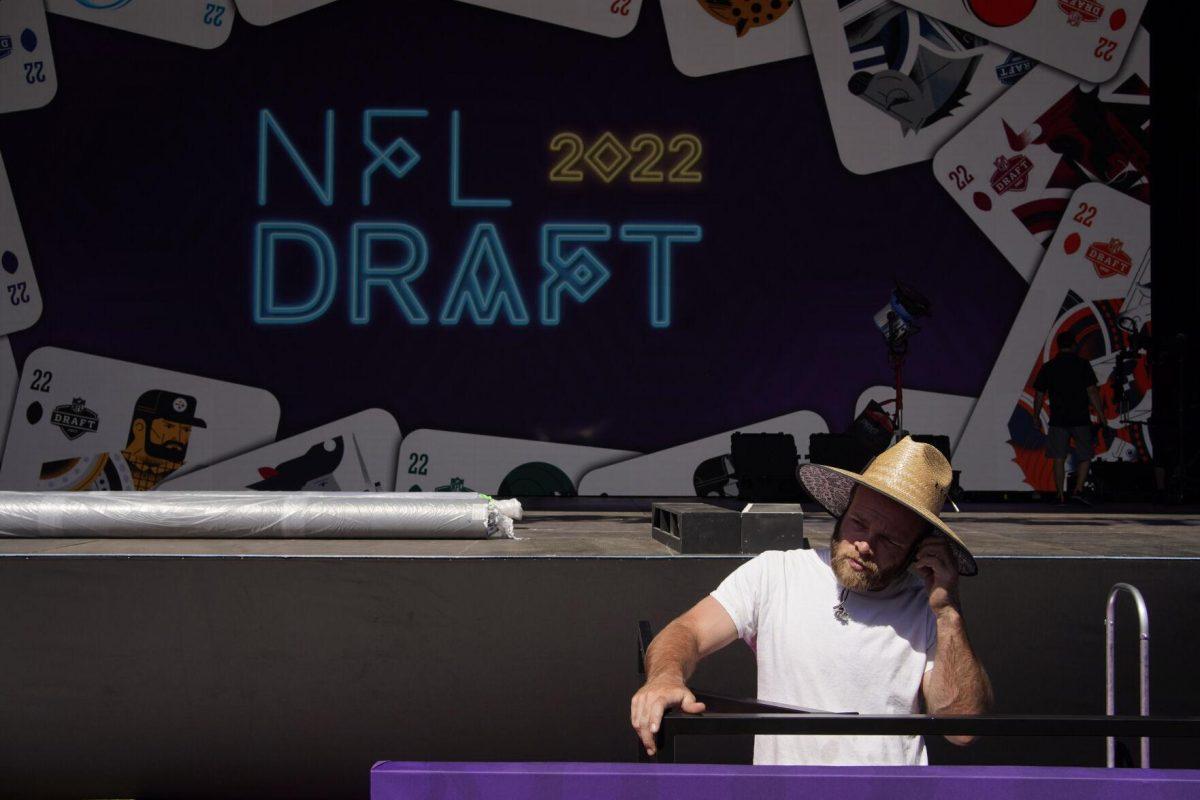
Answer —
839 611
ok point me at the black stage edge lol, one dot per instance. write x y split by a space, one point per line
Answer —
1011 502
224 676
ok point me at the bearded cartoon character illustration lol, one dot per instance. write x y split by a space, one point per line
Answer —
156 447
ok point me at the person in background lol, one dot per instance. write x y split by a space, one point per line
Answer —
1070 382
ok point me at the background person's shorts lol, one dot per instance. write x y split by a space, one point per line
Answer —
1057 440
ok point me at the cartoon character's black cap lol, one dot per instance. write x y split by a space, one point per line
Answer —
170 406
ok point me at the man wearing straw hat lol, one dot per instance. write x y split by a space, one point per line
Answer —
849 630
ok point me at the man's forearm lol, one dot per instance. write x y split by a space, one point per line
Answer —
672 655
957 679
1038 399
1097 404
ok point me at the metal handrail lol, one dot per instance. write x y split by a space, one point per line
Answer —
676 723
1110 665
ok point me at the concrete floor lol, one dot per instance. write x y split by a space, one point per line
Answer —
626 534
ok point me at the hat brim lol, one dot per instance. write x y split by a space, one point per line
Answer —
832 487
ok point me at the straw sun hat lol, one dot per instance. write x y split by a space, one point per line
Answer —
915 475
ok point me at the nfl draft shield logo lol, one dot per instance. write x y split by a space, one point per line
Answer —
1109 258
1014 68
75 419
5 46
1011 175
1078 11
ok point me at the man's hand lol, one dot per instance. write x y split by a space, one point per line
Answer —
957 684
1038 397
935 562
1093 393
670 660
652 700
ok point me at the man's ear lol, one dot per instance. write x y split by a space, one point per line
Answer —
138 427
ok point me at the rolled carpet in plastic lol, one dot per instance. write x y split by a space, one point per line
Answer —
218 515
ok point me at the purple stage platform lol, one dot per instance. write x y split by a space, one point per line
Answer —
404 780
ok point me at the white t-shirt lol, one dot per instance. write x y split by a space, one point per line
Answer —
782 604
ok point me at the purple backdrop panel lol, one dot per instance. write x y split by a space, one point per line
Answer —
400 780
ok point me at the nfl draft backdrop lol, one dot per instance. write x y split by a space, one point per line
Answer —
525 247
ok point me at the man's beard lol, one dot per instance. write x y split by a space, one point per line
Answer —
870 579
172 451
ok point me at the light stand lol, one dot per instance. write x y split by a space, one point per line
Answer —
897 321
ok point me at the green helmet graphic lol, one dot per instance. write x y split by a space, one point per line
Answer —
537 479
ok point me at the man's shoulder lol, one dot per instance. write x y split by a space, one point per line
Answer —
1047 371
796 564
1073 360
1056 363
779 573
782 560
800 555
